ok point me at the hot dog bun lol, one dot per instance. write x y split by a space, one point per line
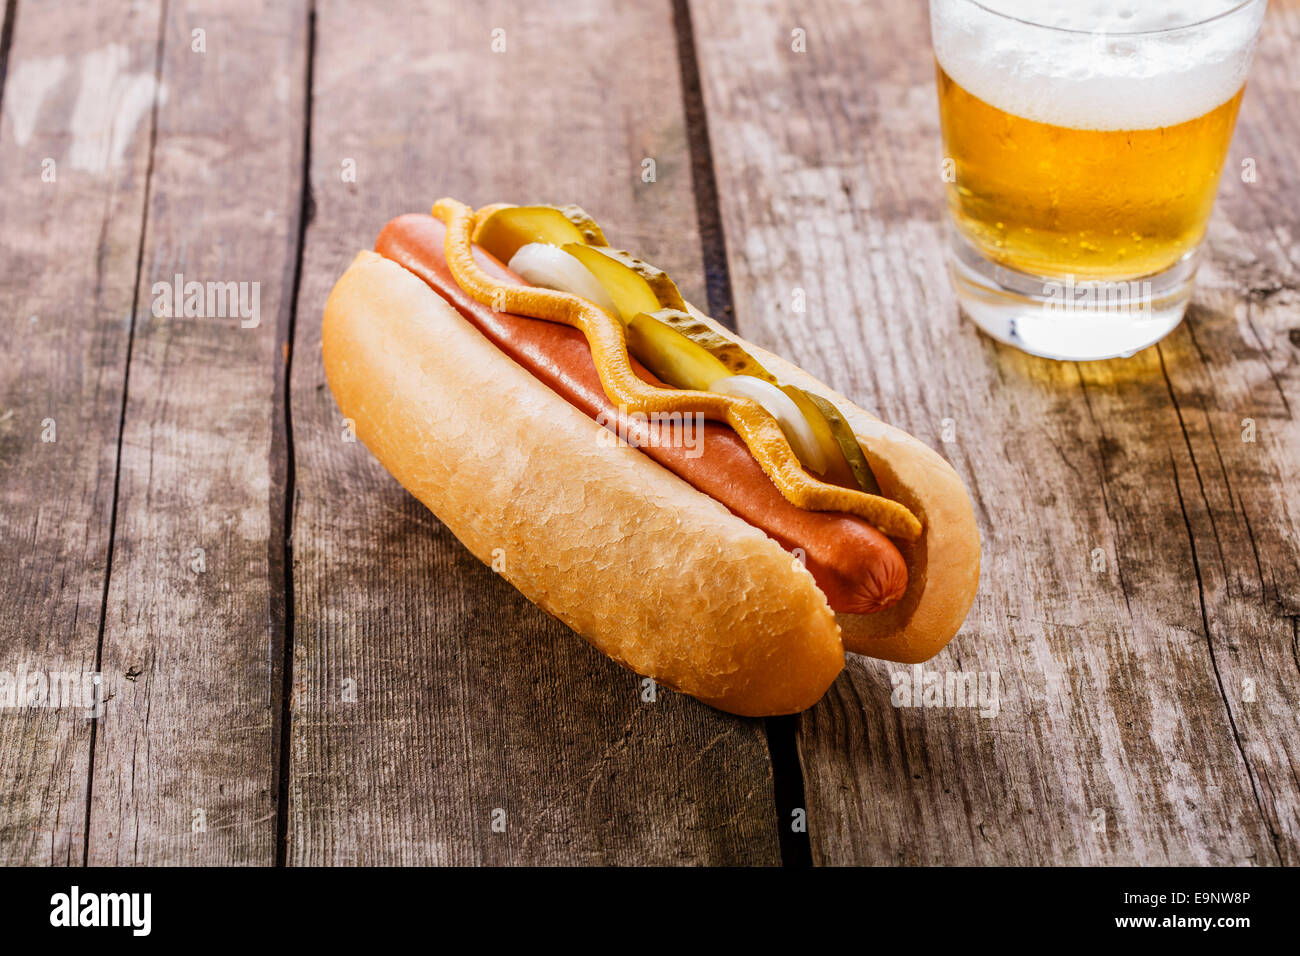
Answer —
655 574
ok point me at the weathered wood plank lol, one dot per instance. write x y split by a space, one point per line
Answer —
1234 382
183 768
428 693
1113 742
74 146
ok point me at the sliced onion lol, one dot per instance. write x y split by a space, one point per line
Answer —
550 267
798 432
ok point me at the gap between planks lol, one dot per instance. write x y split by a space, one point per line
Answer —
6 41
280 563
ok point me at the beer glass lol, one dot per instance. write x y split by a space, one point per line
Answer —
1083 144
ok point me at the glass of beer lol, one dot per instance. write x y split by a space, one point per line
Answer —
1083 144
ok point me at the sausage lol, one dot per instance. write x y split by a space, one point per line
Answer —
856 566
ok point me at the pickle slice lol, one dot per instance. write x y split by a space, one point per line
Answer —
848 442
633 284
505 228
591 233
730 354
670 355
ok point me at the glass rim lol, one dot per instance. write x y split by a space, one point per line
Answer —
1116 33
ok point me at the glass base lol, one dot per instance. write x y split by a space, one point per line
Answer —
1067 318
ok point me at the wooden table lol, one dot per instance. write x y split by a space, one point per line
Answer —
303 666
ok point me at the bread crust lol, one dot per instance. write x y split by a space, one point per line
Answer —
599 535
943 566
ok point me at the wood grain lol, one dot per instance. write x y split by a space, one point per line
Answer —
1123 735
427 693
67 280
184 759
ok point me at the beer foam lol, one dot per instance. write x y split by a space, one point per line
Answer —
1094 70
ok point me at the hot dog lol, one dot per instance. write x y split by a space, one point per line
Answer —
858 568
668 560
